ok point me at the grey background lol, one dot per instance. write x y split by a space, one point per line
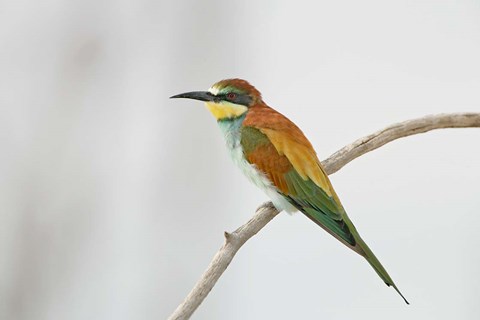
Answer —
113 199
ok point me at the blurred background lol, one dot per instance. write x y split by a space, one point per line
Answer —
113 198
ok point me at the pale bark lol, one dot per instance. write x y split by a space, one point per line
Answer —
266 212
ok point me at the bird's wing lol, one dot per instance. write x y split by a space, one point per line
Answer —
292 166
277 147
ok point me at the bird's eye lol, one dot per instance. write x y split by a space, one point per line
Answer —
231 96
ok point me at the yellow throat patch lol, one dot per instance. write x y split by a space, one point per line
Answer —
225 109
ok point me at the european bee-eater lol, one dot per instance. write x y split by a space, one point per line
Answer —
277 157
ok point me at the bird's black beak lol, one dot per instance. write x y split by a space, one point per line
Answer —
196 95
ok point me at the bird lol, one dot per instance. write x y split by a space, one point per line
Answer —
276 156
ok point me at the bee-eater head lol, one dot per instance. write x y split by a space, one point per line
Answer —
226 99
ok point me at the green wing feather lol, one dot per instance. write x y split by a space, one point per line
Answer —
310 199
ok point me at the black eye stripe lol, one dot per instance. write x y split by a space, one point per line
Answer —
225 96
242 99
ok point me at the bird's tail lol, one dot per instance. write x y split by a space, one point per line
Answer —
346 233
377 266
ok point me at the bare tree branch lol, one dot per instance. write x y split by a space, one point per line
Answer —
398 130
266 212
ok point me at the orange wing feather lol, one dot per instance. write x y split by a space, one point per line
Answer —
267 159
291 145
